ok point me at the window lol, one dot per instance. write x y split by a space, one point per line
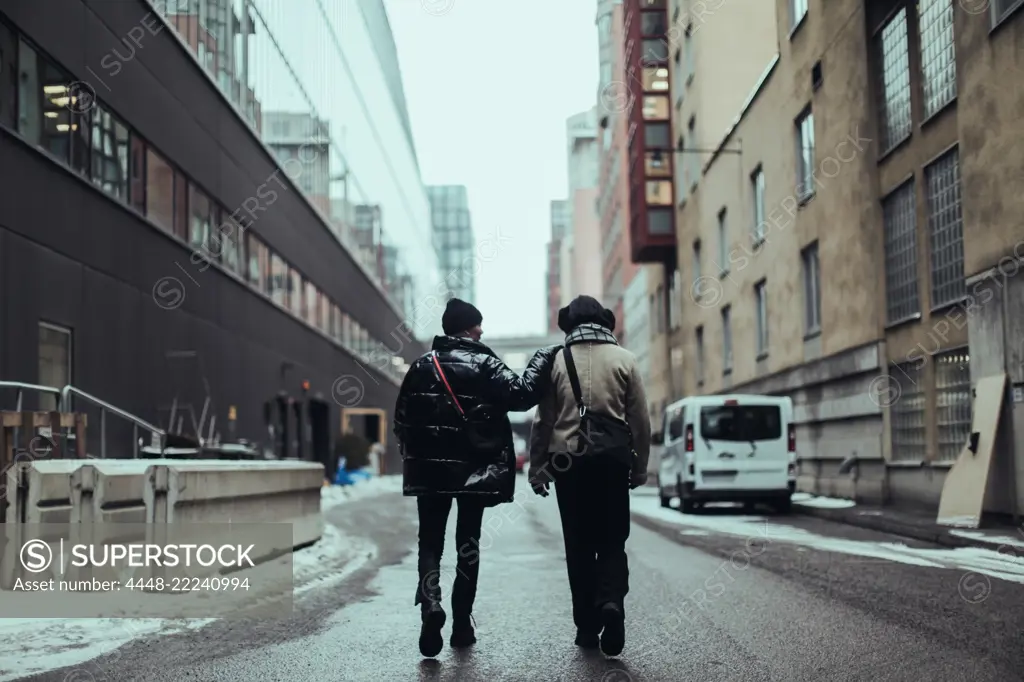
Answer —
952 402
181 217
812 289
726 340
1002 8
700 356
55 354
757 182
295 294
259 265
8 77
688 55
653 23
309 308
894 82
900 255
657 136
656 164
659 310
656 108
81 142
659 192
938 54
696 268
945 229
229 244
44 117
723 244
659 221
655 51
761 302
655 79
323 319
741 423
675 424
137 190
693 157
279 281
805 155
201 224
674 304
907 414
109 153
797 12
159 191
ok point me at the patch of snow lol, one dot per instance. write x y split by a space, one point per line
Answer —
822 502
30 646
758 530
961 521
998 540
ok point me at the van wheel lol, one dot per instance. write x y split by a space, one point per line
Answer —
687 506
666 502
784 506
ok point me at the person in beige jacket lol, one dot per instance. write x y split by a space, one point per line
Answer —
592 489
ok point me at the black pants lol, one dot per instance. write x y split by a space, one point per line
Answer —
593 500
433 512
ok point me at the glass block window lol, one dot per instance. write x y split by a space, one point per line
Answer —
894 82
938 54
946 229
952 402
901 296
907 413
726 339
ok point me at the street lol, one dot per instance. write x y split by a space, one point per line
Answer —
715 596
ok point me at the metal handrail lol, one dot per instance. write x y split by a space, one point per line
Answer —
22 387
69 390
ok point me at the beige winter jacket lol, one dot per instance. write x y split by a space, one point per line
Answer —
611 384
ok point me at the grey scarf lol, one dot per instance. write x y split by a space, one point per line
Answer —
588 332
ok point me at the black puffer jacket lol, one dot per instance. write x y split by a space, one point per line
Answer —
444 453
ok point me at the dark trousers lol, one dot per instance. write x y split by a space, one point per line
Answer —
593 500
433 512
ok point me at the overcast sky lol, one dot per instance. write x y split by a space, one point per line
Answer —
489 86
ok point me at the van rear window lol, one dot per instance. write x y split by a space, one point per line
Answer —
741 423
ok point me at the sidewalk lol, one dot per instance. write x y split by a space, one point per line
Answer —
1006 539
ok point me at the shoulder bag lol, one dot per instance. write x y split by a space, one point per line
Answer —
599 435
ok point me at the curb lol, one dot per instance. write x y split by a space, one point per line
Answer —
880 522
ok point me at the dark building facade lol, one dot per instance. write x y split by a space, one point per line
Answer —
154 252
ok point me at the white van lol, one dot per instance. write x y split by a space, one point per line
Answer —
728 448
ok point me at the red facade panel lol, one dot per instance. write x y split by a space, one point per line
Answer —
652 224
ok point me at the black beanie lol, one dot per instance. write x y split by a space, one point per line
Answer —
460 316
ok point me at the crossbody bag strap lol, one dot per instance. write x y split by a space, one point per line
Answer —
574 379
444 379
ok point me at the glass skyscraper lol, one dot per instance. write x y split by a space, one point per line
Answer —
453 240
313 72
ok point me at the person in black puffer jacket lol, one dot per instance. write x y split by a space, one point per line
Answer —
455 438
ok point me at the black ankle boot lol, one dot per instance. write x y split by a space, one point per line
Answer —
431 641
613 634
586 639
463 634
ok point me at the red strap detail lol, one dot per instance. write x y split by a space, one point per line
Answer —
440 373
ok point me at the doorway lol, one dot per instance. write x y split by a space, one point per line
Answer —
320 436
367 422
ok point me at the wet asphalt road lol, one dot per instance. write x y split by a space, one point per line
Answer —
701 606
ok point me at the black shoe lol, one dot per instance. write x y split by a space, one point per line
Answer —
586 640
613 637
463 634
431 641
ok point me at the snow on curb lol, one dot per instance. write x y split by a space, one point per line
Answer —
29 646
809 500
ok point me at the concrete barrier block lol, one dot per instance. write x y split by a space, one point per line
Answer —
215 491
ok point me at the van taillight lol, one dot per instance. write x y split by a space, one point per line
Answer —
792 438
689 437
732 402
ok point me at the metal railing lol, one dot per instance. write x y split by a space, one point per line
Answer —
65 400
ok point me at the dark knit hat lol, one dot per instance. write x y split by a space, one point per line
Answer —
582 310
460 316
